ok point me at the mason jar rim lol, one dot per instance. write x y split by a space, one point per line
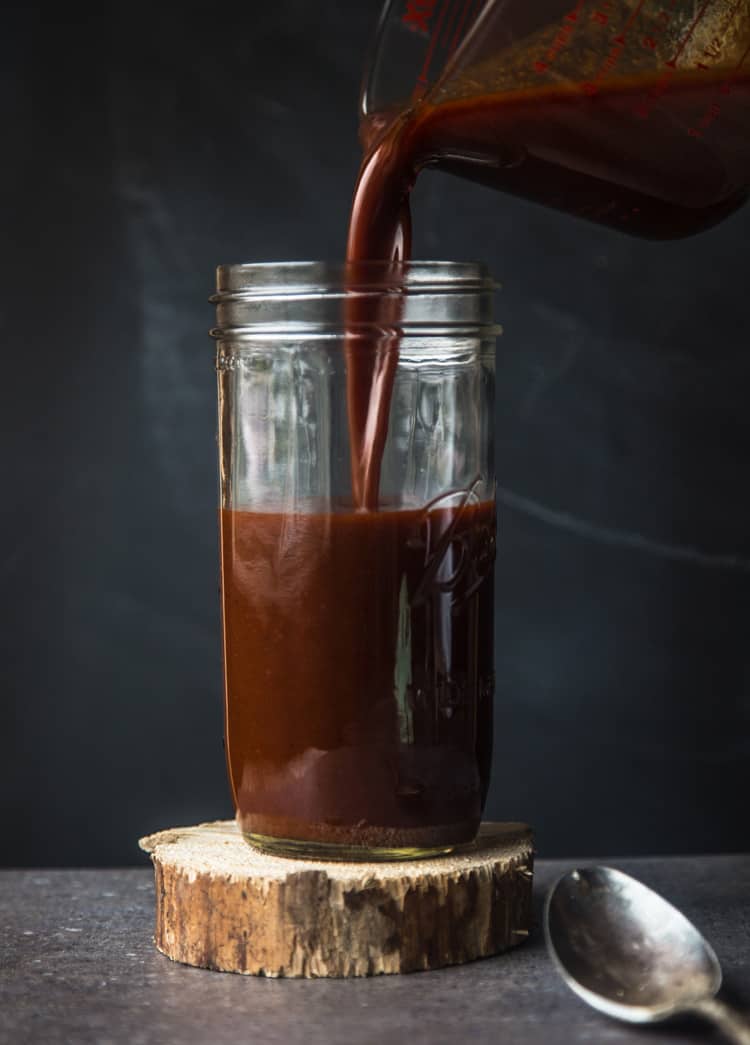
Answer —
278 300
265 278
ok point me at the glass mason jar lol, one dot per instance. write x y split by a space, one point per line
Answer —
357 550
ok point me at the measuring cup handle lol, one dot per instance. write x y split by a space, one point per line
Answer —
734 1026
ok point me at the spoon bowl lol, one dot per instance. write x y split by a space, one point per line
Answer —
629 953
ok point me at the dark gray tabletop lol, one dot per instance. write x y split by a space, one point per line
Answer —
77 964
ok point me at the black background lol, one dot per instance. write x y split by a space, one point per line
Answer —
142 146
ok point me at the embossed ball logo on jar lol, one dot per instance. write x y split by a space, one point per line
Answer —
458 540
447 626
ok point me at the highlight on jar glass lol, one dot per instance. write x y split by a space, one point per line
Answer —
357 525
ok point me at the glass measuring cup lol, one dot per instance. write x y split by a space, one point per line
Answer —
632 113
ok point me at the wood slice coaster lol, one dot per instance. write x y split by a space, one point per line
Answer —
221 904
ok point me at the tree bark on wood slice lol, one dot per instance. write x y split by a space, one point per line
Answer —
221 904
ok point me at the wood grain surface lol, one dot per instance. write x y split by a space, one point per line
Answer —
221 904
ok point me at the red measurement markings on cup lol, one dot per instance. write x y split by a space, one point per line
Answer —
458 35
713 48
562 39
433 43
713 110
418 14
650 41
686 38
602 16
450 24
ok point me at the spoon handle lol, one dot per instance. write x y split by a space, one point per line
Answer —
735 1027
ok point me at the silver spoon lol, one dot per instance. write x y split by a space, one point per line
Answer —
629 953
